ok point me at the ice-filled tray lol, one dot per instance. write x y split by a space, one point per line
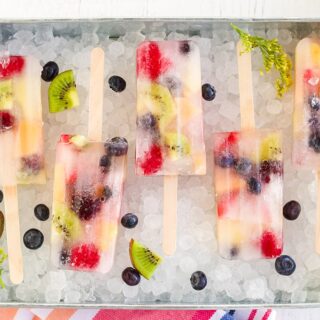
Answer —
229 282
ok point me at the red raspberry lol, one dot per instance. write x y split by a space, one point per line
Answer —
270 246
85 256
150 62
14 66
7 121
65 138
228 142
152 161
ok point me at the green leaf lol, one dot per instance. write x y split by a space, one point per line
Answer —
273 56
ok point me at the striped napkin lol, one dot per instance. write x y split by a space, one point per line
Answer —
112 314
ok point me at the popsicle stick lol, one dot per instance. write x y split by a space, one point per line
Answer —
318 214
96 94
13 233
170 189
245 88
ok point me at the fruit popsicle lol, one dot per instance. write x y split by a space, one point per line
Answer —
20 90
88 188
169 111
248 181
169 138
306 116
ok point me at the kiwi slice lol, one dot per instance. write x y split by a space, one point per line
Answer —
270 147
66 221
79 141
158 100
177 145
6 93
143 259
63 93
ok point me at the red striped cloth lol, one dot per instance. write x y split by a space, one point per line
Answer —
112 314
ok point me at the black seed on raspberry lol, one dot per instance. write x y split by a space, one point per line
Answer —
85 206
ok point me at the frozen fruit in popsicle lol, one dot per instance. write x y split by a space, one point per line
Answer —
143 259
84 256
177 145
66 222
150 61
152 160
63 94
6 94
11 65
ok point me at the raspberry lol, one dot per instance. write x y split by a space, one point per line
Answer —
7 121
85 206
150 62
64 138
14 65
152 161
270 247
228 142
85 256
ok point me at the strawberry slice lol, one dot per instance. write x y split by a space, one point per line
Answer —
271 247
228 144
152 161
85 256
14 66
150 62
307 75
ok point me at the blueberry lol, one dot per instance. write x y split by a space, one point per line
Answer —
173 84
131 276
254 185
147 121
243 166
208 92
50 71
314 102
41 211
184 47
314 141
117 83
226 160
1 196
291 210
117 146
129 220
234 252
33 239
285 265
198 280
105 161
65 256
107 193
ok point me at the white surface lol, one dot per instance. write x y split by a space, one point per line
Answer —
298 314
82 9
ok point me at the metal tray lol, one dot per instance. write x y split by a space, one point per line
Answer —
303 289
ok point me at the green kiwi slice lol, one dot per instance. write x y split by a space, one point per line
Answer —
6 93
63 94
66 222
143 259
177 145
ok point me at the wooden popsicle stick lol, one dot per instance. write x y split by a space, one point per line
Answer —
245 88
170 190
318 214
96 94
13 233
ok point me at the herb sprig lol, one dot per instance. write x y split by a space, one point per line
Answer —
273 56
